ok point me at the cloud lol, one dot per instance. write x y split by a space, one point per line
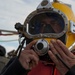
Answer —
12 11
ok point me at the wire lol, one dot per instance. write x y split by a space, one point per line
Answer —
19 49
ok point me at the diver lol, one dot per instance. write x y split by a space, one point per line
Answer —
46 52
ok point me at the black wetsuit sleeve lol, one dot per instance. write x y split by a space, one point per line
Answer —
71 71
13 68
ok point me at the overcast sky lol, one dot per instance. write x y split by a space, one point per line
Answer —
13 11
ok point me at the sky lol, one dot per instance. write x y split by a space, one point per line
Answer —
13 11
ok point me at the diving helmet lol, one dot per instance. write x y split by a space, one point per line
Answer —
45 22
51 20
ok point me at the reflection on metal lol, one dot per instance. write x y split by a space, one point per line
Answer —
72 47
72 27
